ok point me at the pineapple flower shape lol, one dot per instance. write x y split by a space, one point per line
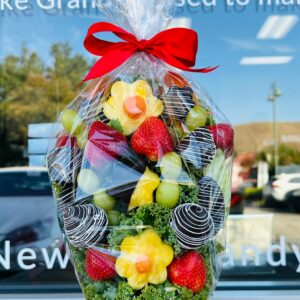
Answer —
143 192
144 259
131 104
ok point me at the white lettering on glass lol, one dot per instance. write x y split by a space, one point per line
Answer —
250 250
282 254
56 255
297 254
26 254
5 261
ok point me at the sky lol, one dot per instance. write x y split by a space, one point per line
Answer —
226 35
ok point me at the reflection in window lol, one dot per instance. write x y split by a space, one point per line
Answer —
29 183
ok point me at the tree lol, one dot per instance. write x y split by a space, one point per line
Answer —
67 66
15 69
287 156
33 93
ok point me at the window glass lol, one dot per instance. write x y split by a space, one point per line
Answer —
30 183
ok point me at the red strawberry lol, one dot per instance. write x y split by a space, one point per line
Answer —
100 266
104 142
152 139
96 156
223 137
65 141
188 271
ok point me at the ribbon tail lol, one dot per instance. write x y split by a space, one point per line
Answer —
109 62
179 62
203 70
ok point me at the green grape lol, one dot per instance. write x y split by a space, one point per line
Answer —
104 201
88 181
196 117
72 122
171 165
167 194
113 218
81 139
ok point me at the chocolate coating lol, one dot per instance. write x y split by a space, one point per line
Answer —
102 117
85 224
178 102
66 196
198 148
211 197
192 224
63 164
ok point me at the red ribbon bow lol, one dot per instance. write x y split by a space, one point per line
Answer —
177 47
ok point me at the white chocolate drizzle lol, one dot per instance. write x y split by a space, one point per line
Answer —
198 147
85 224
192 224
211 197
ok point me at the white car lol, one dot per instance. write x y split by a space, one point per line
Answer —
284 184
28 210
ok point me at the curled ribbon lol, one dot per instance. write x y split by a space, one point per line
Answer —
176 46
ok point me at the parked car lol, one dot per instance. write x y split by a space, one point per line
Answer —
28 211
237 203
293 199
267 191
284 184
282 190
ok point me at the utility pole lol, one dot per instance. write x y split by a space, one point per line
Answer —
275 93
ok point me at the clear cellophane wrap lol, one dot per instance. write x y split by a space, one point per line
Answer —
141 170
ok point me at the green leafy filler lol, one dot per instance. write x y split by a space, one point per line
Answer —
119 289
132 223
151 215
57 189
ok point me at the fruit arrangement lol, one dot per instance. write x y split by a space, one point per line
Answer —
141 164
141 173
